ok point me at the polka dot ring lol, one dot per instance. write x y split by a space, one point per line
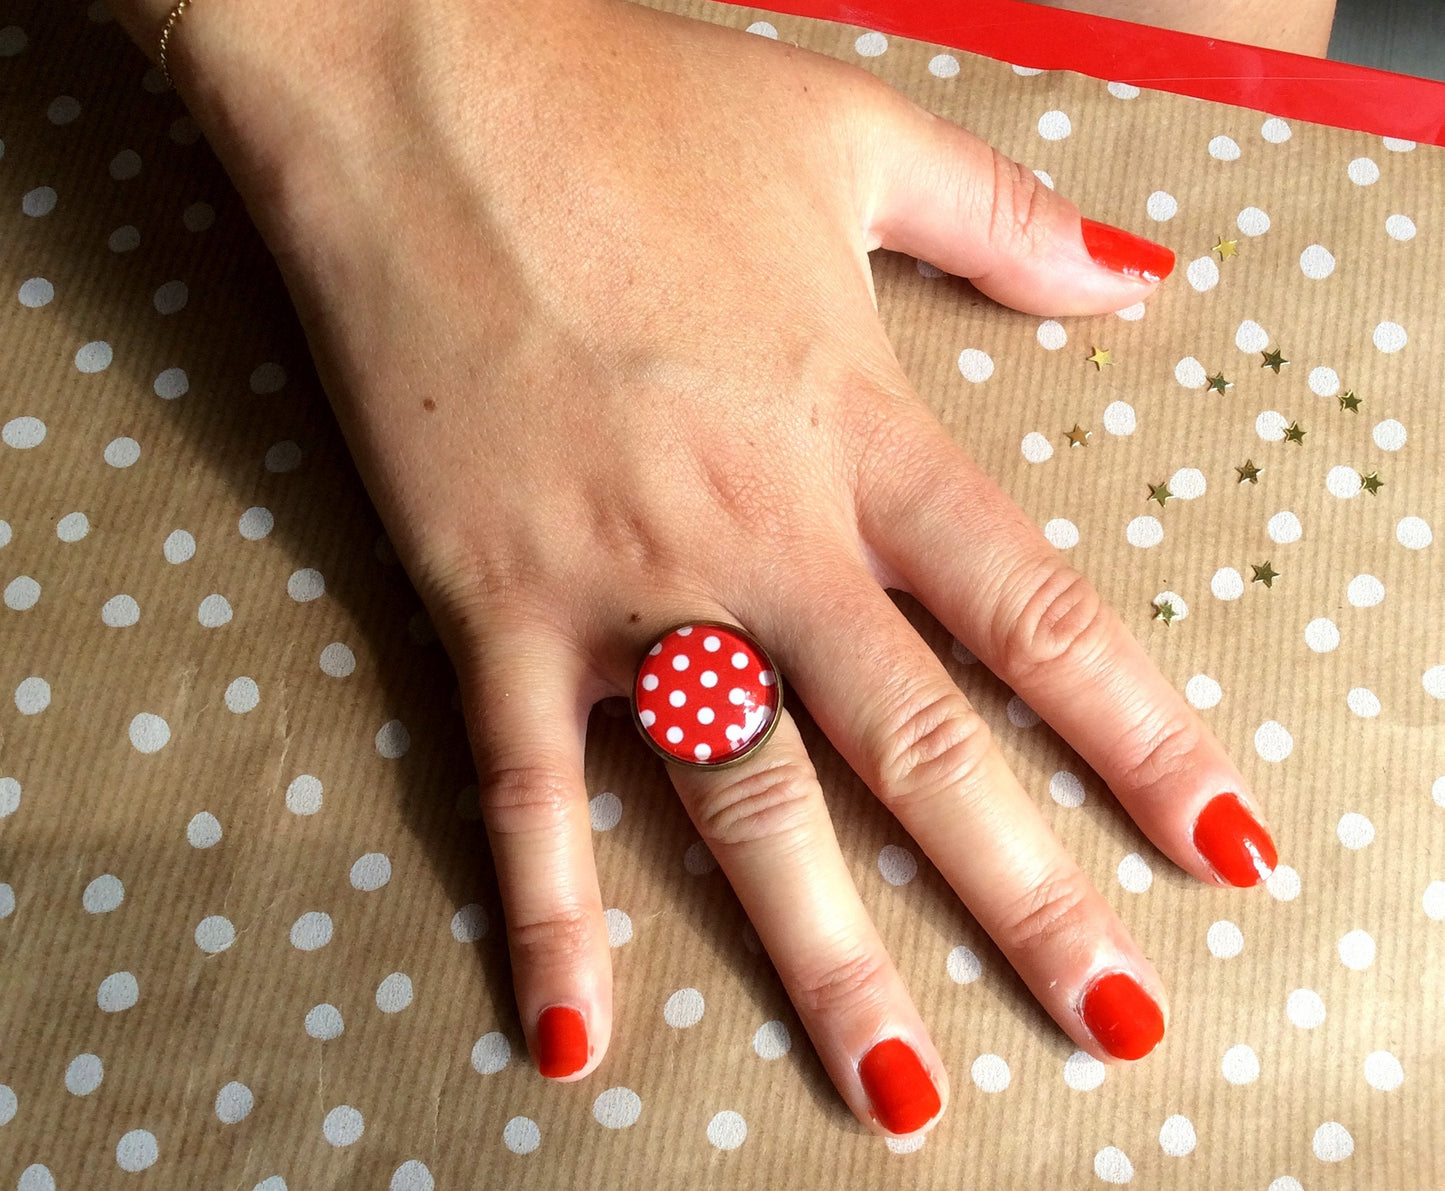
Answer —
706 694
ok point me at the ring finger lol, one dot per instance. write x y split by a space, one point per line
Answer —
765 820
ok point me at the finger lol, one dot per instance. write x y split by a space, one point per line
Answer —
973 557
940 193
765 820
527 721
896 715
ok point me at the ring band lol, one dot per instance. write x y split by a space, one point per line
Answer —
706 694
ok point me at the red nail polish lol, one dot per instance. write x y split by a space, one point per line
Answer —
1122 1016
1126 253
898 1085
561 1041
1232 841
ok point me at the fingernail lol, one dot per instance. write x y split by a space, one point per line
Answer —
898 1086
1122 1016
561 1041
1238 848
1126 253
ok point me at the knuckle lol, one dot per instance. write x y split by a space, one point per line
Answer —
461 570
468 583
1062 617
1164 754
937 742
526 799
864 106
1018 201
893 445
1053 914
558 937
758 500
766 804
633 532
841 988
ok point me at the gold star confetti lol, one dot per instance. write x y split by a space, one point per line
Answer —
1100 357
1274 359
1371 483
1078 437
1165 611
1349 401
1293 433
1160 492
1225 248
1219 384
1264 574
1248 473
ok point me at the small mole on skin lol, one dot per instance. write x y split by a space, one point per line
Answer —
634 618
428 404
815 417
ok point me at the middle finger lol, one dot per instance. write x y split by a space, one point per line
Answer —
895 714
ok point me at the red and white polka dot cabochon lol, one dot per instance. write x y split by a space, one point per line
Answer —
706 694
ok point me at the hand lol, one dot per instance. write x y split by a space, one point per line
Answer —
588 286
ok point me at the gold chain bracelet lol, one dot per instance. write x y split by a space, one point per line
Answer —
171 19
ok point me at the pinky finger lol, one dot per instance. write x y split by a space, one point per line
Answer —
527 720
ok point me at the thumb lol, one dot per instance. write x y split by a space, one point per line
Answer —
943 195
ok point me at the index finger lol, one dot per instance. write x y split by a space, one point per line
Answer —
987 572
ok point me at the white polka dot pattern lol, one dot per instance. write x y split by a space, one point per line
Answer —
772 1040
990 1073
1332 1142
727 1130
1083 1072
1305 1009
1177 1137
1112 1165
1240 1064
975 365
136 1150
284 819
1223 148
706 694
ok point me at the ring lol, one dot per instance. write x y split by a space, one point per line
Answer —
706 694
